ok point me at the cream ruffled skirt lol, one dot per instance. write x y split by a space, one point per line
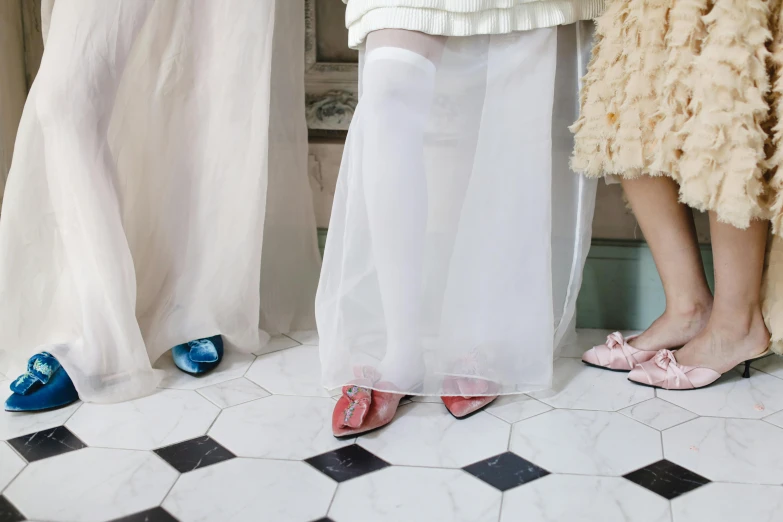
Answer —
691 89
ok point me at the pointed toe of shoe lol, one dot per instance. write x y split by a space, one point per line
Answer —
57 393
461 407
591 357
640 376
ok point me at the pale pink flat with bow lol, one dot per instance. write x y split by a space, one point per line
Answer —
663 371
616 354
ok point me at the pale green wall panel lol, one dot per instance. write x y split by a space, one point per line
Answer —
621 288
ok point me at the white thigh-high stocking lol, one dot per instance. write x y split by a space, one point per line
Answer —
397 91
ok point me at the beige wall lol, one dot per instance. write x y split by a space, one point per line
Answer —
13 85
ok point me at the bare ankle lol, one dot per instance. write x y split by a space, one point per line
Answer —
740 322
690 310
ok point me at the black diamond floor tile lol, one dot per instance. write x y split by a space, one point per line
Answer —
8 513
506 471
323 520
47 443
157 514
347 463
194 454
667 479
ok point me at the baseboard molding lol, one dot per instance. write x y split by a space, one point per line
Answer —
620 289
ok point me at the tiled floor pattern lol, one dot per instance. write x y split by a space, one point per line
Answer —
252 441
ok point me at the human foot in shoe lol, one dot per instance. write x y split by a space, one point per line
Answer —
616 354
672 330
44 386
361 409
199 356
718 349
466 396
467 390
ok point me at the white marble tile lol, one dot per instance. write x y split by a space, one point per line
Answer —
251 490
776 419
18 424
10 465
296 371
416 495
772 365
278 427
658 414
578 386
428 435
586 442
732 396
718 502
233 366
231 393
91 484
277 343
514 408
561 498
163 418
728 450
309 337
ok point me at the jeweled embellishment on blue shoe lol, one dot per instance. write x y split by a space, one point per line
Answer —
40 369
199 356
44 386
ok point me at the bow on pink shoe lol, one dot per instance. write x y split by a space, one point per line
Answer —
616 354
663 371
359 401
360 408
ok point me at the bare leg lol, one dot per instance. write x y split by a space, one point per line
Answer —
736 329
670 231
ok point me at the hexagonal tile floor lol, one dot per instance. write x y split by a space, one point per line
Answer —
252 442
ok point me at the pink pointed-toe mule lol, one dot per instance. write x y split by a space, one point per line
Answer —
663 371
360 410
467 396
616 354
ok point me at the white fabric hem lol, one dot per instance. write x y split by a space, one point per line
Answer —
523 17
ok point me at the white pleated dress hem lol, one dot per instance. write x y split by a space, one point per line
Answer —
463 17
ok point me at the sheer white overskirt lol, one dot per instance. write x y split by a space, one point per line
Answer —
109 259
507 225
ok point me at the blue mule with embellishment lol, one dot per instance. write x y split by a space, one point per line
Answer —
44 386
199 356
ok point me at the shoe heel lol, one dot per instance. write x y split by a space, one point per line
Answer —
746 373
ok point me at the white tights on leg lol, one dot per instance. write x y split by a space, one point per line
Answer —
397 91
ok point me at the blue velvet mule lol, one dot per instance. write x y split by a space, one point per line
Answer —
199 356
44 386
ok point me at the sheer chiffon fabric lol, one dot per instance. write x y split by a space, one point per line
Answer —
135 208
458 233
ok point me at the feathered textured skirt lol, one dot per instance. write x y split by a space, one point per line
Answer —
691 89
688 89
